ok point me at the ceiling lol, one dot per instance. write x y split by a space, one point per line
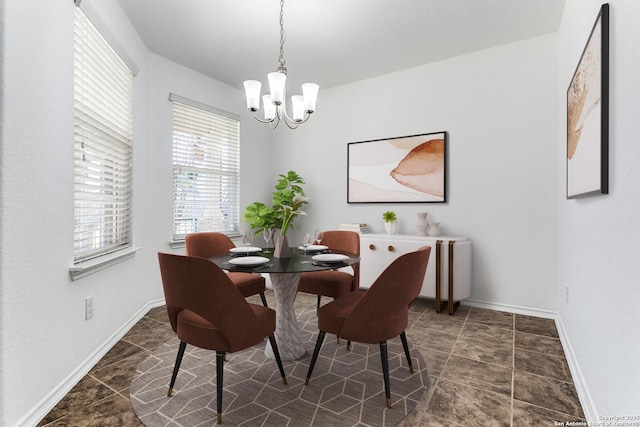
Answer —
331 42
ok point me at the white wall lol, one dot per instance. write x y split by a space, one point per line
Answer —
598 237
46 344
500 109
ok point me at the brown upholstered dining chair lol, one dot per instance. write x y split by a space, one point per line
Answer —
334 283
379 314
208 244
212 317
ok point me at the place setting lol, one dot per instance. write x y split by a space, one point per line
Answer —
329 260
315 248
246 250
250 262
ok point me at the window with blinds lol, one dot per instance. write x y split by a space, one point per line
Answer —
206 165
103 127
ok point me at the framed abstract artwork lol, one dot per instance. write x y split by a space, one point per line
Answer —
588 116
406 169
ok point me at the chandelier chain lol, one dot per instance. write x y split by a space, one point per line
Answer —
282 34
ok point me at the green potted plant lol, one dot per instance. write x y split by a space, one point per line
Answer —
389 218
288 200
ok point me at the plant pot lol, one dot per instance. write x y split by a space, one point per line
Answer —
281 248
390 227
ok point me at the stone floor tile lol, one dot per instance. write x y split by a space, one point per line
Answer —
462 404
559 396
536 325
491 318
542 364
480 375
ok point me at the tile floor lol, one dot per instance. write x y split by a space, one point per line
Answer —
486 368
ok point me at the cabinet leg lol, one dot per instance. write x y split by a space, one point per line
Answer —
451 304
438 276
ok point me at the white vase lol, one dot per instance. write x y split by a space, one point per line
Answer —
390 227
422 224
434 229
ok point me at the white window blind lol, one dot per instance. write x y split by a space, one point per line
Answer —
103 123
206 163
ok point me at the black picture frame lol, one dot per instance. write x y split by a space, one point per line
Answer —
404 169
588 116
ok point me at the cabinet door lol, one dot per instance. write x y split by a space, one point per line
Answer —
370 260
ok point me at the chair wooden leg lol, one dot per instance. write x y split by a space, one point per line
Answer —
405 345
276 353
219 373
319 298
264 299
348 345
316 351
385 371
176 367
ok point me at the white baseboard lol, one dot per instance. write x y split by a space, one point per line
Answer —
527 311
588 406
34 416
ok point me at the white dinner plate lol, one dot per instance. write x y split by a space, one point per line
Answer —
330 257
314 248
249 261
243 250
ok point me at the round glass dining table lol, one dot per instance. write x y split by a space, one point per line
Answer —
285 276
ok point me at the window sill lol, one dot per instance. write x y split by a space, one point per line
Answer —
93 266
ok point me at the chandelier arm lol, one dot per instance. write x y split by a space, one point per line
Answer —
290 120
290 126
261 120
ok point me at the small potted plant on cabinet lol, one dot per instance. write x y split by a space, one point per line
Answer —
389 218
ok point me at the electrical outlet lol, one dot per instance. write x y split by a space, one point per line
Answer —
88 308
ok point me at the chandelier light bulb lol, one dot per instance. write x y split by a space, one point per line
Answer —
269 108
276 86
310 93
252 91
297 104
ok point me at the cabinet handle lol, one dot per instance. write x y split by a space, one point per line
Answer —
391 248
372 247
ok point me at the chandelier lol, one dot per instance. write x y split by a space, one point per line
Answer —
275 109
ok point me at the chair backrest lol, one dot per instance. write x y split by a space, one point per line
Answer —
348 241
389 296
207 244
198 285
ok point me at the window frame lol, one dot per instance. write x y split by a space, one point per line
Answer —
211 142
88 259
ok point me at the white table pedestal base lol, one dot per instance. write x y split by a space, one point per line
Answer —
288 336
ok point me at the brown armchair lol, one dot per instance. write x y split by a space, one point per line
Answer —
380 313
212 317
333 283
208 244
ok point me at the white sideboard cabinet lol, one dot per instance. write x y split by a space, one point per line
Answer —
448 271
